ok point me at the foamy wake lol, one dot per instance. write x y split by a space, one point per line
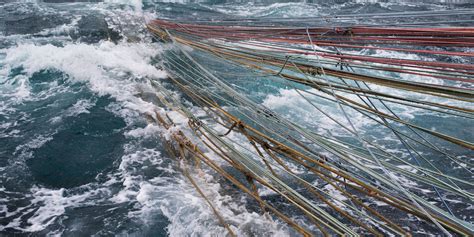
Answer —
122 71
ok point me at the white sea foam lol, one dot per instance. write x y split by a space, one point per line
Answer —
23 88
137 5
80 107
101 66
150 130
16 88
290 103
46 205
61 30
86 62
285 10
170 194
189 214
25 150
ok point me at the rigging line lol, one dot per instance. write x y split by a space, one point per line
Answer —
395 179
261 124
325 98
444 136
422 137
332 220
405 144
392 157
353 132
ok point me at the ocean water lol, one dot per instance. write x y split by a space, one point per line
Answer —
77 156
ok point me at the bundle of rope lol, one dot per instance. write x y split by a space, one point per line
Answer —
311 61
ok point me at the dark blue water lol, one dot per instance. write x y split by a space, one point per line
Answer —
77 156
